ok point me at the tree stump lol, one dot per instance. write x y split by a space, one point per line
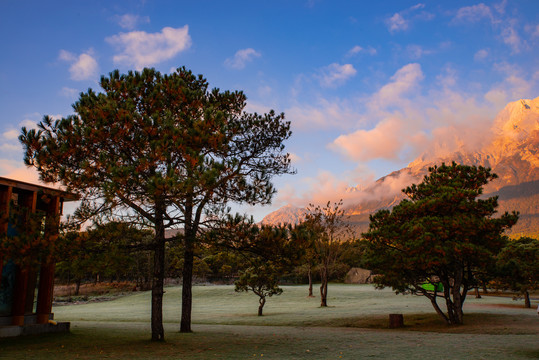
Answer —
396 321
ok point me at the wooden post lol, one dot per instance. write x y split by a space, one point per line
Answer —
396 321
19 296
27 201
5 197
46 275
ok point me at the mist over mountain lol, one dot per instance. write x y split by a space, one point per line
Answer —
511 151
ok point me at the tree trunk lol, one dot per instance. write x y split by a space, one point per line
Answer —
455 301
187 281
158 333
323 287
310 283
77 287
527 303
396 321
261 302
437 307
477 294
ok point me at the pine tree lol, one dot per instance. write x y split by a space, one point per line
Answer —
165 149
434 242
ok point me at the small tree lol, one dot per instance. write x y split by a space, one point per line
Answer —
518 266
263 280
327 231
268 252
441 235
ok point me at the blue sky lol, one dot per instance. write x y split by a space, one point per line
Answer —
368 86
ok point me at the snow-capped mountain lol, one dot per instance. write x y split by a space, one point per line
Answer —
512 152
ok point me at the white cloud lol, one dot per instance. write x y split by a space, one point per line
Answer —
241 58
29 124
264 91
130 21
66 56
324 115
10 134
500 7
15 171
295 158
355 50
405 80
358 49
505 26
335 74
515 85
83 67
396 23
319 189
512 39
406 120
481 55
10 147
474 13
416 52
352 186
69 92
9 143
15 168
382 142
141 49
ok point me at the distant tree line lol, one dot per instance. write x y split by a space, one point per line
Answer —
119 251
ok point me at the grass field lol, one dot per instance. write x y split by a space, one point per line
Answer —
225 326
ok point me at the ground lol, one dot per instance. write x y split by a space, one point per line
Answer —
226 327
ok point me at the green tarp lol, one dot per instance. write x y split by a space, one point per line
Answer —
430 287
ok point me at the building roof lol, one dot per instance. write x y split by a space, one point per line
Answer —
67 196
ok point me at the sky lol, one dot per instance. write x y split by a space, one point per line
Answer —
368 86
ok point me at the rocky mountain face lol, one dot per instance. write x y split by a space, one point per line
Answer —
287 214
512 152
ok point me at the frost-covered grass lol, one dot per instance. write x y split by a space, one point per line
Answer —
225 326
219 304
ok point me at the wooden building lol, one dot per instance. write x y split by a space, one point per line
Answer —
27 275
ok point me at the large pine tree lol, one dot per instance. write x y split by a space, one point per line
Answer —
436 241
166 149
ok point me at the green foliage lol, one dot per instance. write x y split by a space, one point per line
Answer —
267 253
26 242
518 266
443 233
262 279
241 235
112 250
150 136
